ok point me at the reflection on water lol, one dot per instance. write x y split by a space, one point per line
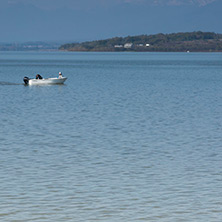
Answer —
130 137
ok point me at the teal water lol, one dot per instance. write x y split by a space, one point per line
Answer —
129 137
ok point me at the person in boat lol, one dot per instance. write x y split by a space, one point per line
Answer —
38 76
60 75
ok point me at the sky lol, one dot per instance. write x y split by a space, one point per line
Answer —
83 20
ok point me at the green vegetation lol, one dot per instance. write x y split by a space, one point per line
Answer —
175 42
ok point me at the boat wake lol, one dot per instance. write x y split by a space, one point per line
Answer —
9 83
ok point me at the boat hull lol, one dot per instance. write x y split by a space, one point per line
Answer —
48 81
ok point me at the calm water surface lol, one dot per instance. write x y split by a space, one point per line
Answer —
129 137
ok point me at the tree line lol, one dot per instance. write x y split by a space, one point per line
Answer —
174 42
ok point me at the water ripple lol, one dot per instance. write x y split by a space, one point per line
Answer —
131 137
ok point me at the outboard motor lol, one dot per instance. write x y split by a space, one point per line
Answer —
26 80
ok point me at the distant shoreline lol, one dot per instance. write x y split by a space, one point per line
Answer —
175 42
30 46
210 51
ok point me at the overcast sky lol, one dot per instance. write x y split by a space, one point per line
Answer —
80 20
76 4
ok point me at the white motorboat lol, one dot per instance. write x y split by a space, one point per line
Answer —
42 81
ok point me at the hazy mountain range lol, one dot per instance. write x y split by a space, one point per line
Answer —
182 2
81 20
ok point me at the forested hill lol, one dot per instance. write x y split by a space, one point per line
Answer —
175 42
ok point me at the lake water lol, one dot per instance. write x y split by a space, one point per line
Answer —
129 137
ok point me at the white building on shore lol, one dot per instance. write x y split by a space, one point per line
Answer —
118 46
128 45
